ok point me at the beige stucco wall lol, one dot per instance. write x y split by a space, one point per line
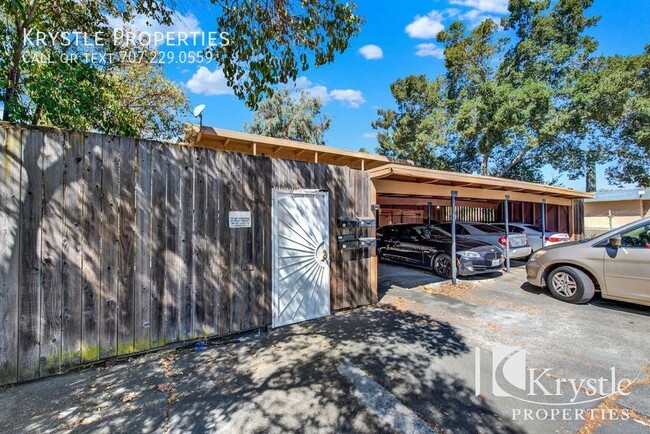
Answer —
597 219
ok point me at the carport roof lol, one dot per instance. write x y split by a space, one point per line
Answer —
418 175
235 141
379 167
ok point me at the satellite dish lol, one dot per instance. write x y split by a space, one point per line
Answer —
198 110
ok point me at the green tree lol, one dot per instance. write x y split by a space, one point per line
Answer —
271 43
273 40
513 105
611 108
286 115
22 19
130 99
418 129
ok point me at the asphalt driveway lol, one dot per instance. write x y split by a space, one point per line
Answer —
414 363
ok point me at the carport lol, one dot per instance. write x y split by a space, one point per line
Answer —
402 193
407 194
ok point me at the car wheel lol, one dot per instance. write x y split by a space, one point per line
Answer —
571 285
442 265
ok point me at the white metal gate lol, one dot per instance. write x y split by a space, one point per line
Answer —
301 258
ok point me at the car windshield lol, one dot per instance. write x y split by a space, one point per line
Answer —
535 228
438 232
614 232
487 228
427 232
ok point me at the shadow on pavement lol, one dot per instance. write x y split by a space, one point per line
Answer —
401 350
284 381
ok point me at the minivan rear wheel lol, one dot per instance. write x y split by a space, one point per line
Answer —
571 285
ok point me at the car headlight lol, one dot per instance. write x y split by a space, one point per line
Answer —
468 254
538 254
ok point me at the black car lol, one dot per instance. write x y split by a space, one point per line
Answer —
427 246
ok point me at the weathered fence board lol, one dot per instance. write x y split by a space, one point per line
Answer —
126 251
51 164
224 291
29 285
10 200
110 246
113 245
237 244
71 263
142 285
249 267
174 267
158 244
199 243
212 235
186 250
92 262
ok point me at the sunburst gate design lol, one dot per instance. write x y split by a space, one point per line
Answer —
301 263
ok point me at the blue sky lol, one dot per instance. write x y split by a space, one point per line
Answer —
357 83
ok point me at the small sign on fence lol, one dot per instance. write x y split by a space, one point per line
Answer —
239 219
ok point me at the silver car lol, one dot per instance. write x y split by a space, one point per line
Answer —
617 263
519 248
534 234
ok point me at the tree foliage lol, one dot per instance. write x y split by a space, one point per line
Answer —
419 129
286 115
44 83
538 96
273 40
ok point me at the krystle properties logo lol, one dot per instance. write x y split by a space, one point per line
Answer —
511 378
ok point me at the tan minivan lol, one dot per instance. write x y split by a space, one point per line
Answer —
617 263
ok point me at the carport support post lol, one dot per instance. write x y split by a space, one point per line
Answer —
543 222
429 212
506 207
453 237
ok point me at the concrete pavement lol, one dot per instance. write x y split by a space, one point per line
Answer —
406 365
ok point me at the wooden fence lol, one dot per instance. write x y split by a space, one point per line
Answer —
111 245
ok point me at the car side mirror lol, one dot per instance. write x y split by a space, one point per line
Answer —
614 242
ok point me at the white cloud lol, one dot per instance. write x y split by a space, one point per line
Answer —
369 135
426 27
142 25
206 82
350 96
429 50
371 52
354 98
494 6
475 17
302 84
319 92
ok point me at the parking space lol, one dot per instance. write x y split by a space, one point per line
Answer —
572 341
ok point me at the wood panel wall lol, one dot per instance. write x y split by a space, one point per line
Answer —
110 245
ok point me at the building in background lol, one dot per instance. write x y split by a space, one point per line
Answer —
614 208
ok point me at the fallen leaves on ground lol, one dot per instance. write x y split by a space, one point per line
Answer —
164 387
450 290
129 397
